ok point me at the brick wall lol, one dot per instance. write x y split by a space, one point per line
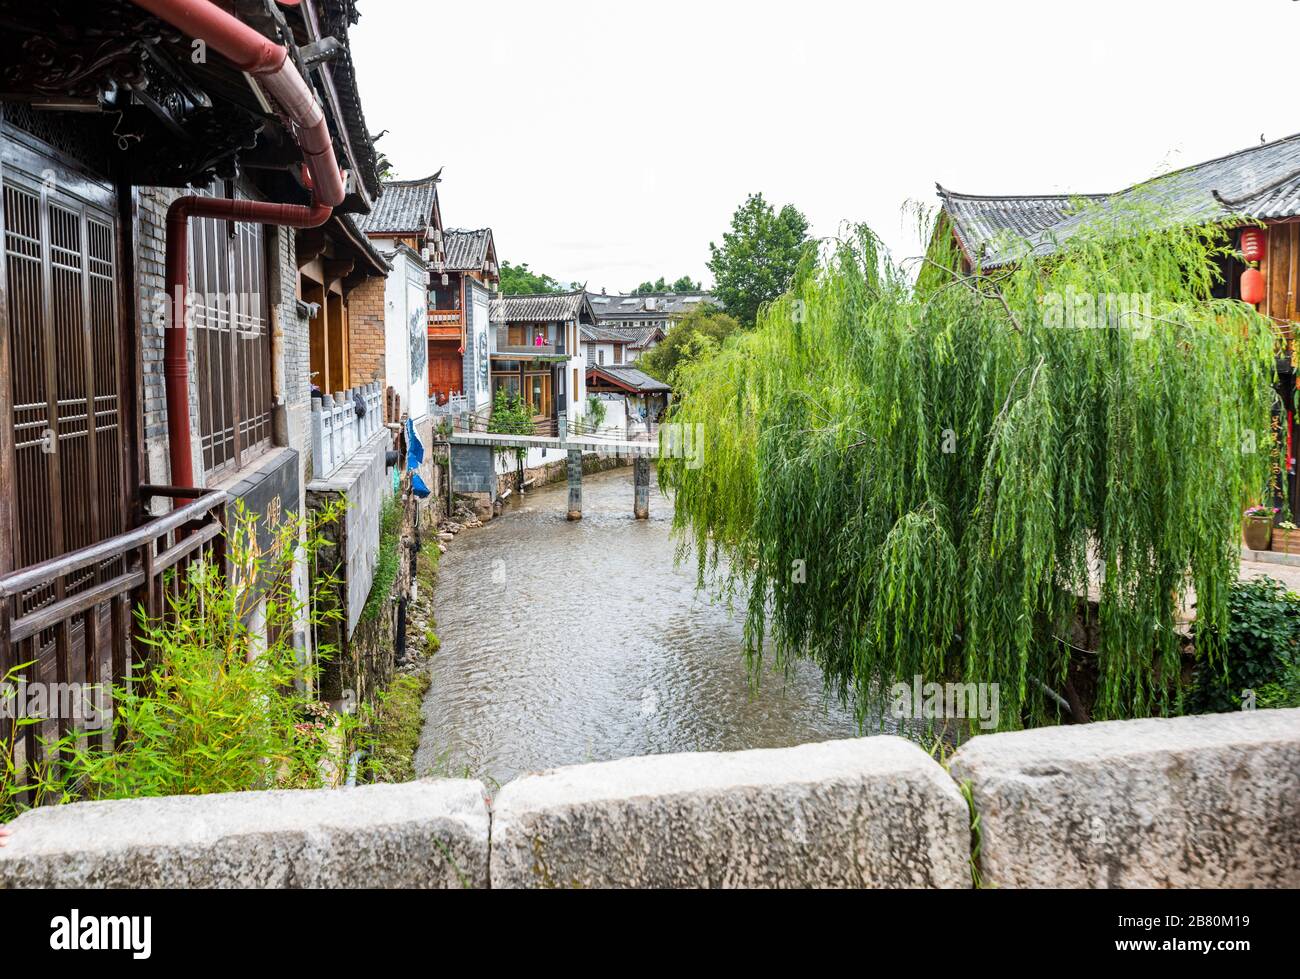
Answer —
151 291
289 341
366 332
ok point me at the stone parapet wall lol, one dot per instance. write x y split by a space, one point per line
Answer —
1187 802
1181 802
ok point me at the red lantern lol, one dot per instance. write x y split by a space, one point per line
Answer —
1254 244
1252 287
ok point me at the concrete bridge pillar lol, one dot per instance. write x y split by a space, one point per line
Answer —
575 484
642 479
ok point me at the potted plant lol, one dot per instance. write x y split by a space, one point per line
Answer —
1257 524
1286 538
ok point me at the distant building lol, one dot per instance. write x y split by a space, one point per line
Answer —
638 316
536 353
462 278
619 345
459 317
645 398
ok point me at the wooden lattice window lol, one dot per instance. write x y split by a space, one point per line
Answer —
231 316
60 319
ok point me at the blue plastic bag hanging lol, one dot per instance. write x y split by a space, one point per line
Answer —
415 459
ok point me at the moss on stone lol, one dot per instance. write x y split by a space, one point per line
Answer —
396 730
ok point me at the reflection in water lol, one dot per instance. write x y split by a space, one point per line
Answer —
567 643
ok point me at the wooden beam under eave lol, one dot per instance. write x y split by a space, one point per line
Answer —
339 268
310 245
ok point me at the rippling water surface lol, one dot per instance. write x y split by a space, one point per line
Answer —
564 643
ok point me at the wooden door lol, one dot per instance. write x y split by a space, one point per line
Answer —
63 386
67 434
445 370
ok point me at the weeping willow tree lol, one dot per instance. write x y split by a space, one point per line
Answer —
923 478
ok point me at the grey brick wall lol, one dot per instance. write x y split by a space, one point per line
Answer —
473 469
151 256
289 341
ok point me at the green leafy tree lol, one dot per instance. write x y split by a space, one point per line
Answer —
511 415
520 280
758 257
383 166
696 334
927 482
683 285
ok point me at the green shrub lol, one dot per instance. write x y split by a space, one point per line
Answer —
1260 652
43 780
511 415
217 705
389 559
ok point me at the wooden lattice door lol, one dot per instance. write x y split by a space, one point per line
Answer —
62 357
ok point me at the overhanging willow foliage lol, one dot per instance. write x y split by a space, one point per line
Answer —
913 479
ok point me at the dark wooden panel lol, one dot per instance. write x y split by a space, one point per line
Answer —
230 285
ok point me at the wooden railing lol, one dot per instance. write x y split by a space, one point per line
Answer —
73 617
445 322
525 350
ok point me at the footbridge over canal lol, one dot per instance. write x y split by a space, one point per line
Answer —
473 460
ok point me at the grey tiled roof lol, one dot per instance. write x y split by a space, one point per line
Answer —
336 18
406 206
547 308
467 251
635 337
637 307
1260 182
348 223
604 334
630 376
981 222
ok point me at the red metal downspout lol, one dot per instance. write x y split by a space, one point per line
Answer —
268 63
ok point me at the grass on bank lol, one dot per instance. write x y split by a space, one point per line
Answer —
390 537
395 730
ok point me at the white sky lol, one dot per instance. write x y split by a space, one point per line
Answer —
609 142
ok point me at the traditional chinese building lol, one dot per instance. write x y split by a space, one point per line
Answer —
537 353
162 162
462 294
1257 189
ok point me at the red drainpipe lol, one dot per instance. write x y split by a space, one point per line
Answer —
269 64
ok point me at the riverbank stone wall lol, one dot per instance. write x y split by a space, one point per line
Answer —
1203 801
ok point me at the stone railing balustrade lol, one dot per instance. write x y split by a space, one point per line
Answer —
337 432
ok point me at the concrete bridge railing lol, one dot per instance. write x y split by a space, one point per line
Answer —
1186 802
